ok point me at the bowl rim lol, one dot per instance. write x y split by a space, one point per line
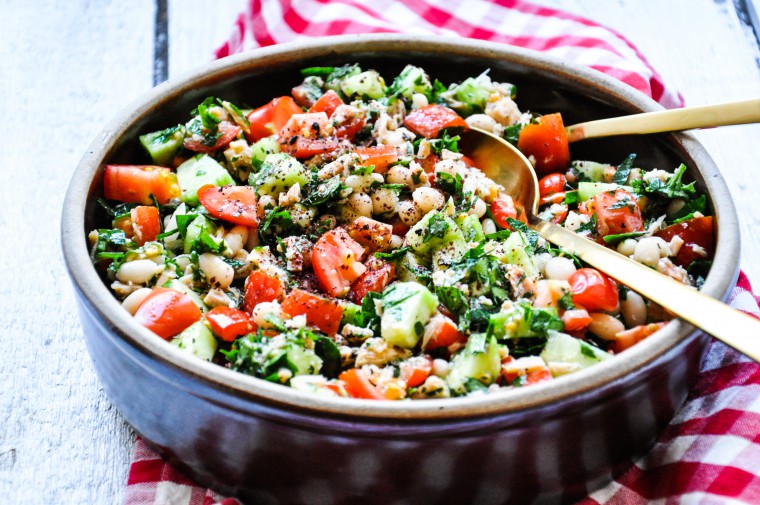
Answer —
96 293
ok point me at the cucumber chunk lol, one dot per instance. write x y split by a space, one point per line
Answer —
364 84
279 172
198 340
563 348
199 171
407 307
411 80
480 360
263 148
434 231
588 190
471 227
592 170
163 145
513 251
198 227
411 268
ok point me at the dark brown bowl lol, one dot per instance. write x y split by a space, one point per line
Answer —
267 443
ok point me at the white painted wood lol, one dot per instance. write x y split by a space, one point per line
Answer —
68 66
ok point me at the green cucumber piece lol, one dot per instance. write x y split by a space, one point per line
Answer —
513 251
263 148
588 190
591 170
411 80
407 307
449 254
475 363
471 227
434 231
163 145
199 171
364 84
279 172
194 230
198 340
563 348
303 360
411 267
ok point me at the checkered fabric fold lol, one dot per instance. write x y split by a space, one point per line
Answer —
710 452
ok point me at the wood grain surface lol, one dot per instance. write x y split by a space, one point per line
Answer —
67 67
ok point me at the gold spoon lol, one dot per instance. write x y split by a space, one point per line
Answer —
506 165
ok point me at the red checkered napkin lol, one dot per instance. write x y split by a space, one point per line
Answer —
710 452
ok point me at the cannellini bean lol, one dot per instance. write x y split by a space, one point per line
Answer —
384 201
134 299
359 183
409 212
265 201
302 215
489 226
419 100
674 206
236 238
634 309
440 367
605 326
138 271
396 242
263 309
541 261
361 204
479 208
428 199
485 122
399 174
218 273
560 268
649 250
627 247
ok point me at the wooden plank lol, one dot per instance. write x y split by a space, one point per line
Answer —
67 67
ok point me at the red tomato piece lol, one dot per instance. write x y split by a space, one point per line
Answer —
228 323
698 239
502 208
135 183
304 125
617 212
428 163
358 385
428 121
441 331
320 312
374 279
399 227
347 121
235 204
303 148
576 319
632 336
547 142
327 103
259 287
378 156
167 312
593 290
551 184
538 376
416 370
336 260
145 223
270 118
229 132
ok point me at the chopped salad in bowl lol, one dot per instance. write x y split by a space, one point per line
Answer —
337 241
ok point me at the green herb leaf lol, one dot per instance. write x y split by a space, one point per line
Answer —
624 170
393 255
317 71
619 237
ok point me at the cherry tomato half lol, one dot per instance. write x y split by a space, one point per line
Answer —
167 312
336 260
228 323
235 204
593 290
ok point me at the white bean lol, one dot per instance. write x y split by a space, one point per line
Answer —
384 201
560 268
138 271
218 273
265 201
236 238
634 309
489 226
674 206
648 250
428 199
541 261
361 204
262 310
359 183
478 208
627 247
399 174
396 242
440 367
604 326
134 299
419 100
409 212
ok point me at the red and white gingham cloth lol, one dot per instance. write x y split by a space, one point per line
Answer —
710 452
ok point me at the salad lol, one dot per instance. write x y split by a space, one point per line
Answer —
336 241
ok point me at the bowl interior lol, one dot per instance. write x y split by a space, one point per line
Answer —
543 85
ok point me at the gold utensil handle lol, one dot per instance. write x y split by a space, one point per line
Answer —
730 326
731 113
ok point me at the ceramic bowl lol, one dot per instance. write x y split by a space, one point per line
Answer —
269 444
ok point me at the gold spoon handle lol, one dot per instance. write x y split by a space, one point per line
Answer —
730 326
707 116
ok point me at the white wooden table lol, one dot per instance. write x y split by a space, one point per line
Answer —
67 67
